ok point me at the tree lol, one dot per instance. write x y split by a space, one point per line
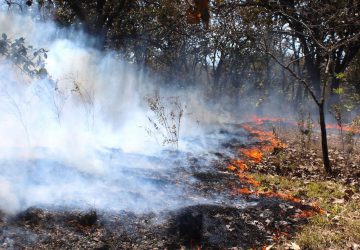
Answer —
26 58
217 43
328 33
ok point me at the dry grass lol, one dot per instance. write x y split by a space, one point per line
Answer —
337 228
298 170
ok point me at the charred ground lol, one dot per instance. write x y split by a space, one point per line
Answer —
235 219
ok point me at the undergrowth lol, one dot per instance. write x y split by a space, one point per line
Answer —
337 228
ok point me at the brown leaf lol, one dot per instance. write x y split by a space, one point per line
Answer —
293 246
270 247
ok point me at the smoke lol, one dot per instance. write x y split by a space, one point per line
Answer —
78 139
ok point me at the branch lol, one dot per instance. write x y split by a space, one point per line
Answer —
305 83
306 27
345 41
297 59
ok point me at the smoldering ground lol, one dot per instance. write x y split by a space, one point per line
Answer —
79 138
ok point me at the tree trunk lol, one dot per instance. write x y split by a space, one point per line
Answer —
334 98
315 78
324 144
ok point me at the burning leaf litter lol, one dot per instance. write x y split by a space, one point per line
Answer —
267 143
205 226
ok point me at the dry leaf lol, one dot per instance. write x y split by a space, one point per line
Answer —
294 246
338 201
269 247
355 246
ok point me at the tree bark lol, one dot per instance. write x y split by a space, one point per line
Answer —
324 144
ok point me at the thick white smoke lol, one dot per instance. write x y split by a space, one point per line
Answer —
79 138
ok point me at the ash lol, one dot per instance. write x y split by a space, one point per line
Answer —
188 205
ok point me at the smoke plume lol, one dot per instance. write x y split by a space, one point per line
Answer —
78 139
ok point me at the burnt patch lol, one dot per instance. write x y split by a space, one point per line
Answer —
210 176
209 226
233 144
88 219
229 220
218 227
31 216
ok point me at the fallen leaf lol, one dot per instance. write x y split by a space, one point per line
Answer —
338 201
269 247
294 246
355 246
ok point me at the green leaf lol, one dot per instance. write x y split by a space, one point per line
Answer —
338 91
340 76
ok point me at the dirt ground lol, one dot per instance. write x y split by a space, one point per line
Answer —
281 200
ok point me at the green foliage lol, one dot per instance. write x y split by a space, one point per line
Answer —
341 76
227 57
338 91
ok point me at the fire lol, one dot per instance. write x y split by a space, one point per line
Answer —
287 197
305 214
244 191
261 120
241 165
237 165
346 128
254 154
267 143
315 209
247 178
268 139
231 167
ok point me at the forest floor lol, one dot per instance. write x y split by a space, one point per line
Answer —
297 168
278 197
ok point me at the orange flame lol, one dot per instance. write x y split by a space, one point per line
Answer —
304 214
231 167
248 179
244 191
268 142
280 195
346 128
241 165
254 154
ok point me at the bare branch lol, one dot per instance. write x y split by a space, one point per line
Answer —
303 81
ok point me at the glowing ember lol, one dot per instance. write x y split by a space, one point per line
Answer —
240 164
244 191
305 214
283 196
248 179
231 167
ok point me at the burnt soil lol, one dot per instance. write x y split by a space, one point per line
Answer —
256 222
